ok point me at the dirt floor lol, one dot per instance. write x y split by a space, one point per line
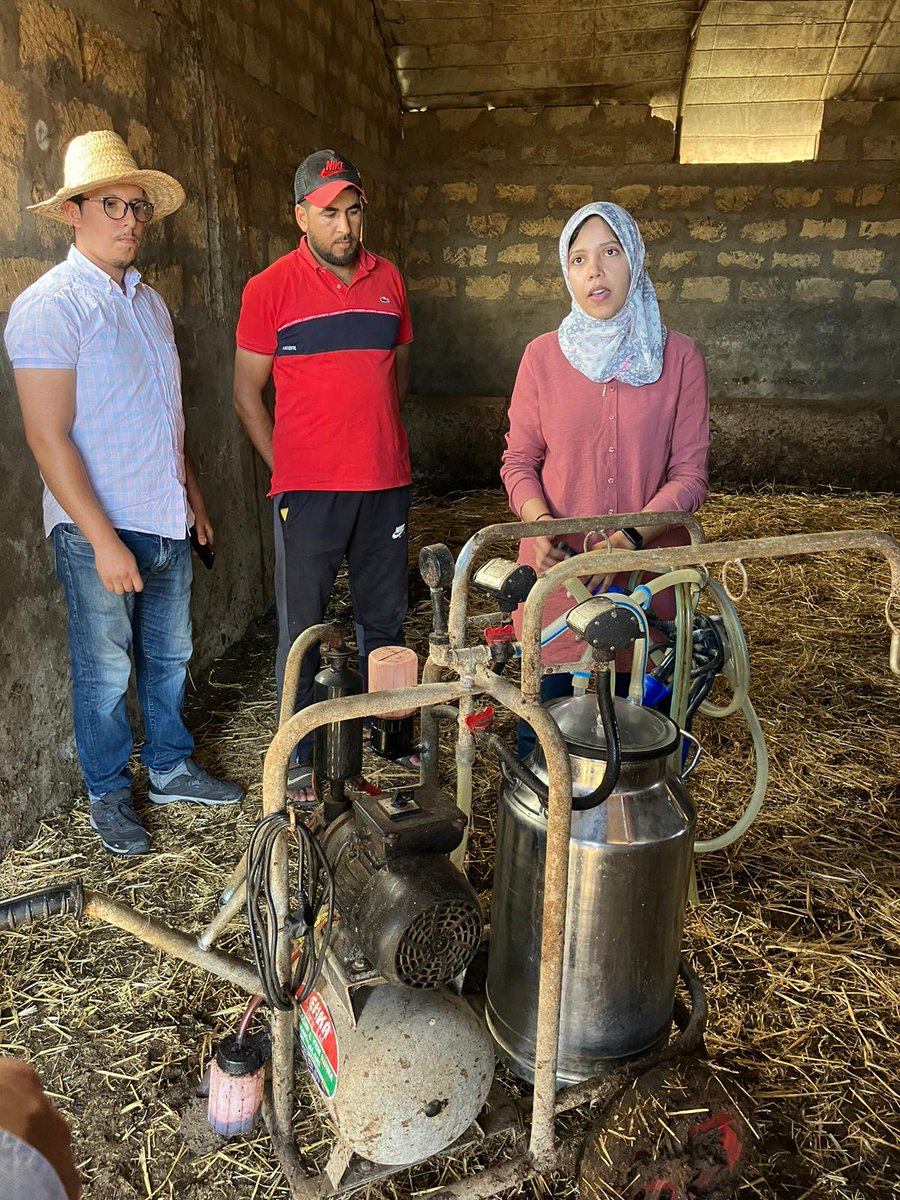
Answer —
795 932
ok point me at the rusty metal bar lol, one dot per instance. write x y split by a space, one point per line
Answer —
489 1182
516 530
428 726
235 879
608 562
553 928
296 654
224 916
302 1186
344 708
172 941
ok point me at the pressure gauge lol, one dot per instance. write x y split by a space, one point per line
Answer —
436 566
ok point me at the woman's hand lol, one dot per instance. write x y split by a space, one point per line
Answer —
616 541
546 552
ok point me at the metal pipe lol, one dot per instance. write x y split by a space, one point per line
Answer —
516 530
489 1182
612 562
296 654
224 916
465 757
302 1186
428 727
553 928
344 708
172 941
234 880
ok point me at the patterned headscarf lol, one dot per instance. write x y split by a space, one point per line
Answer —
628 346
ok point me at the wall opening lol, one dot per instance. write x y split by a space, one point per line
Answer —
758 75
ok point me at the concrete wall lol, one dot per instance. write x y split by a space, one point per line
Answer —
228 98
786 275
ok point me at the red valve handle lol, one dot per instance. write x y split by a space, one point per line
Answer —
481 719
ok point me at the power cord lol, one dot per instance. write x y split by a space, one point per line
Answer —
314 890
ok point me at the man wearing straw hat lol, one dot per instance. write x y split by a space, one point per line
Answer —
99 385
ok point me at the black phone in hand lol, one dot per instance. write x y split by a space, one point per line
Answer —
203 550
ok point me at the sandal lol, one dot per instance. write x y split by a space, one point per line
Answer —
300 787
410 762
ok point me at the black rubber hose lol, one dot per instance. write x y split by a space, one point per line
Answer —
607 705
500 750
525 775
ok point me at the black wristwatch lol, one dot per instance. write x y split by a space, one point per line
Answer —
635 538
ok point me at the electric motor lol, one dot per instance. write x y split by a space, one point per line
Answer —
412 915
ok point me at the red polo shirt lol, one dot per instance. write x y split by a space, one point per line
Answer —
337 417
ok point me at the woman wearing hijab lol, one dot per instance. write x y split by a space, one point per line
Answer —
609 413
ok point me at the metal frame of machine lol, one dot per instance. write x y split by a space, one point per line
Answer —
471 666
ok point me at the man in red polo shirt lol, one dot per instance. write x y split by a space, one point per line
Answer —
330 322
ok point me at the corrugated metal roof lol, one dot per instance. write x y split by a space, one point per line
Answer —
746 78
759 73
460 53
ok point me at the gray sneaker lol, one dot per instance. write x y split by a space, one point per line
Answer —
196 786
119 826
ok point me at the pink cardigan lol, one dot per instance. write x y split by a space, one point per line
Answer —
591 448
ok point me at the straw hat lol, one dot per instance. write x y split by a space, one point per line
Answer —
100 158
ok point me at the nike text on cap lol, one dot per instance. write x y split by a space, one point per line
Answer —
323 176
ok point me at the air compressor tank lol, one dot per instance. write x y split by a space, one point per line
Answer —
404 1074
629 867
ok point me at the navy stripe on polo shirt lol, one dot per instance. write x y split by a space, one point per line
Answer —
333 351
358 329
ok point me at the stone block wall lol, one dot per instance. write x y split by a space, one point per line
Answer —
786 274
228 98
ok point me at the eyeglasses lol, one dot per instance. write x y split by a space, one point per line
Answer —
116 208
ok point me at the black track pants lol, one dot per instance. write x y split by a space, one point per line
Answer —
314 531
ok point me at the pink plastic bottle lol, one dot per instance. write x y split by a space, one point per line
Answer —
393 667
236 1079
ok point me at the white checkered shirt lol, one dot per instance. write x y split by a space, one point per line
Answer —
129 422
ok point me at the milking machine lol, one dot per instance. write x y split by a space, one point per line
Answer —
368 943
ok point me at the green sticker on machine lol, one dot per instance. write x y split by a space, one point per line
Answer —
318 1042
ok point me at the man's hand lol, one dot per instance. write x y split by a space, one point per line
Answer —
202 524
117 567
26 1113
203 528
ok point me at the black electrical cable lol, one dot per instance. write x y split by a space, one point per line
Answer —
315 889
316 869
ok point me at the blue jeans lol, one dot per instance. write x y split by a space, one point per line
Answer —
105 630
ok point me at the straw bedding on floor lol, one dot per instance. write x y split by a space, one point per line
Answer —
795 934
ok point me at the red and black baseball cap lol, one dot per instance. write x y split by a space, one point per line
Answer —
324 175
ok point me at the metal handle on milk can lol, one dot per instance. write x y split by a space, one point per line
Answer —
690 737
